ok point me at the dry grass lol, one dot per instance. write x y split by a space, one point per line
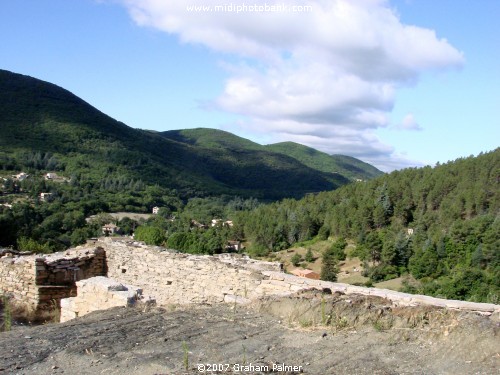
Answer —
13 312
394 284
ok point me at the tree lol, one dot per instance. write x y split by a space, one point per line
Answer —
309 256
329 268
150 235
374 245
338 249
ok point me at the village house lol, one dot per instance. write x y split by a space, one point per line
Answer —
227 223
309 274
46 197
50 176
156 209
20 176
234 246
197 224
110 229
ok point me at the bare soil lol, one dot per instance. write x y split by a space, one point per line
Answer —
320 333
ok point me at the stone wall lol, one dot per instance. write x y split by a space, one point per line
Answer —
18 279
175 278
170 277
282 283
98 293
40 281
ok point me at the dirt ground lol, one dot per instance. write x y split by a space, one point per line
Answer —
318 333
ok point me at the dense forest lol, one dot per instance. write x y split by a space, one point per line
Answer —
440 225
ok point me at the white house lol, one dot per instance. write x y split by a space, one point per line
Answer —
46 197
21 176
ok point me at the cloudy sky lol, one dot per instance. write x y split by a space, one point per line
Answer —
395 83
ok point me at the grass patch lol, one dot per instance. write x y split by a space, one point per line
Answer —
6 315
185 357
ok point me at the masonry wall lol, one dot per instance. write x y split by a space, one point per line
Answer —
18 279
173 278
40 281
178 278
98 293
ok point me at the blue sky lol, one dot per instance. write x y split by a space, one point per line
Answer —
373 79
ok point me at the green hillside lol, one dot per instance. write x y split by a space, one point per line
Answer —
41 121
212 139
440 225
338 167
344 165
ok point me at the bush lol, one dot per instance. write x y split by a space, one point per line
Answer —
29 244
150 235
382 272
296 258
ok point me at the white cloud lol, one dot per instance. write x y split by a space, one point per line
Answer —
326 78
409 123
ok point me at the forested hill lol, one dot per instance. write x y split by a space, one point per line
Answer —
439 224
40 121
340 166
350 167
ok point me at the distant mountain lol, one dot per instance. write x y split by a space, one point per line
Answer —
40 121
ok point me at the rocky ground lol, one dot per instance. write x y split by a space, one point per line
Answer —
318 333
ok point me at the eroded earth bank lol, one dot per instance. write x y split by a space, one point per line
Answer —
320 333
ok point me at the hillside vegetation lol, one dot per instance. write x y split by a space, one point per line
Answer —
39 120
340 166
439 224
106 166
346 166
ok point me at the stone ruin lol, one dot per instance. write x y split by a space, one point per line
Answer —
40 281
100 293
139 273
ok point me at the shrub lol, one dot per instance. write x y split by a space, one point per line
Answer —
296 258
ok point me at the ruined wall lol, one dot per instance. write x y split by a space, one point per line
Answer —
180 278
171 277
40 281
285 283
18 279
98 293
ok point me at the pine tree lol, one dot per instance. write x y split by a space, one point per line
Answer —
309 256
329 268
